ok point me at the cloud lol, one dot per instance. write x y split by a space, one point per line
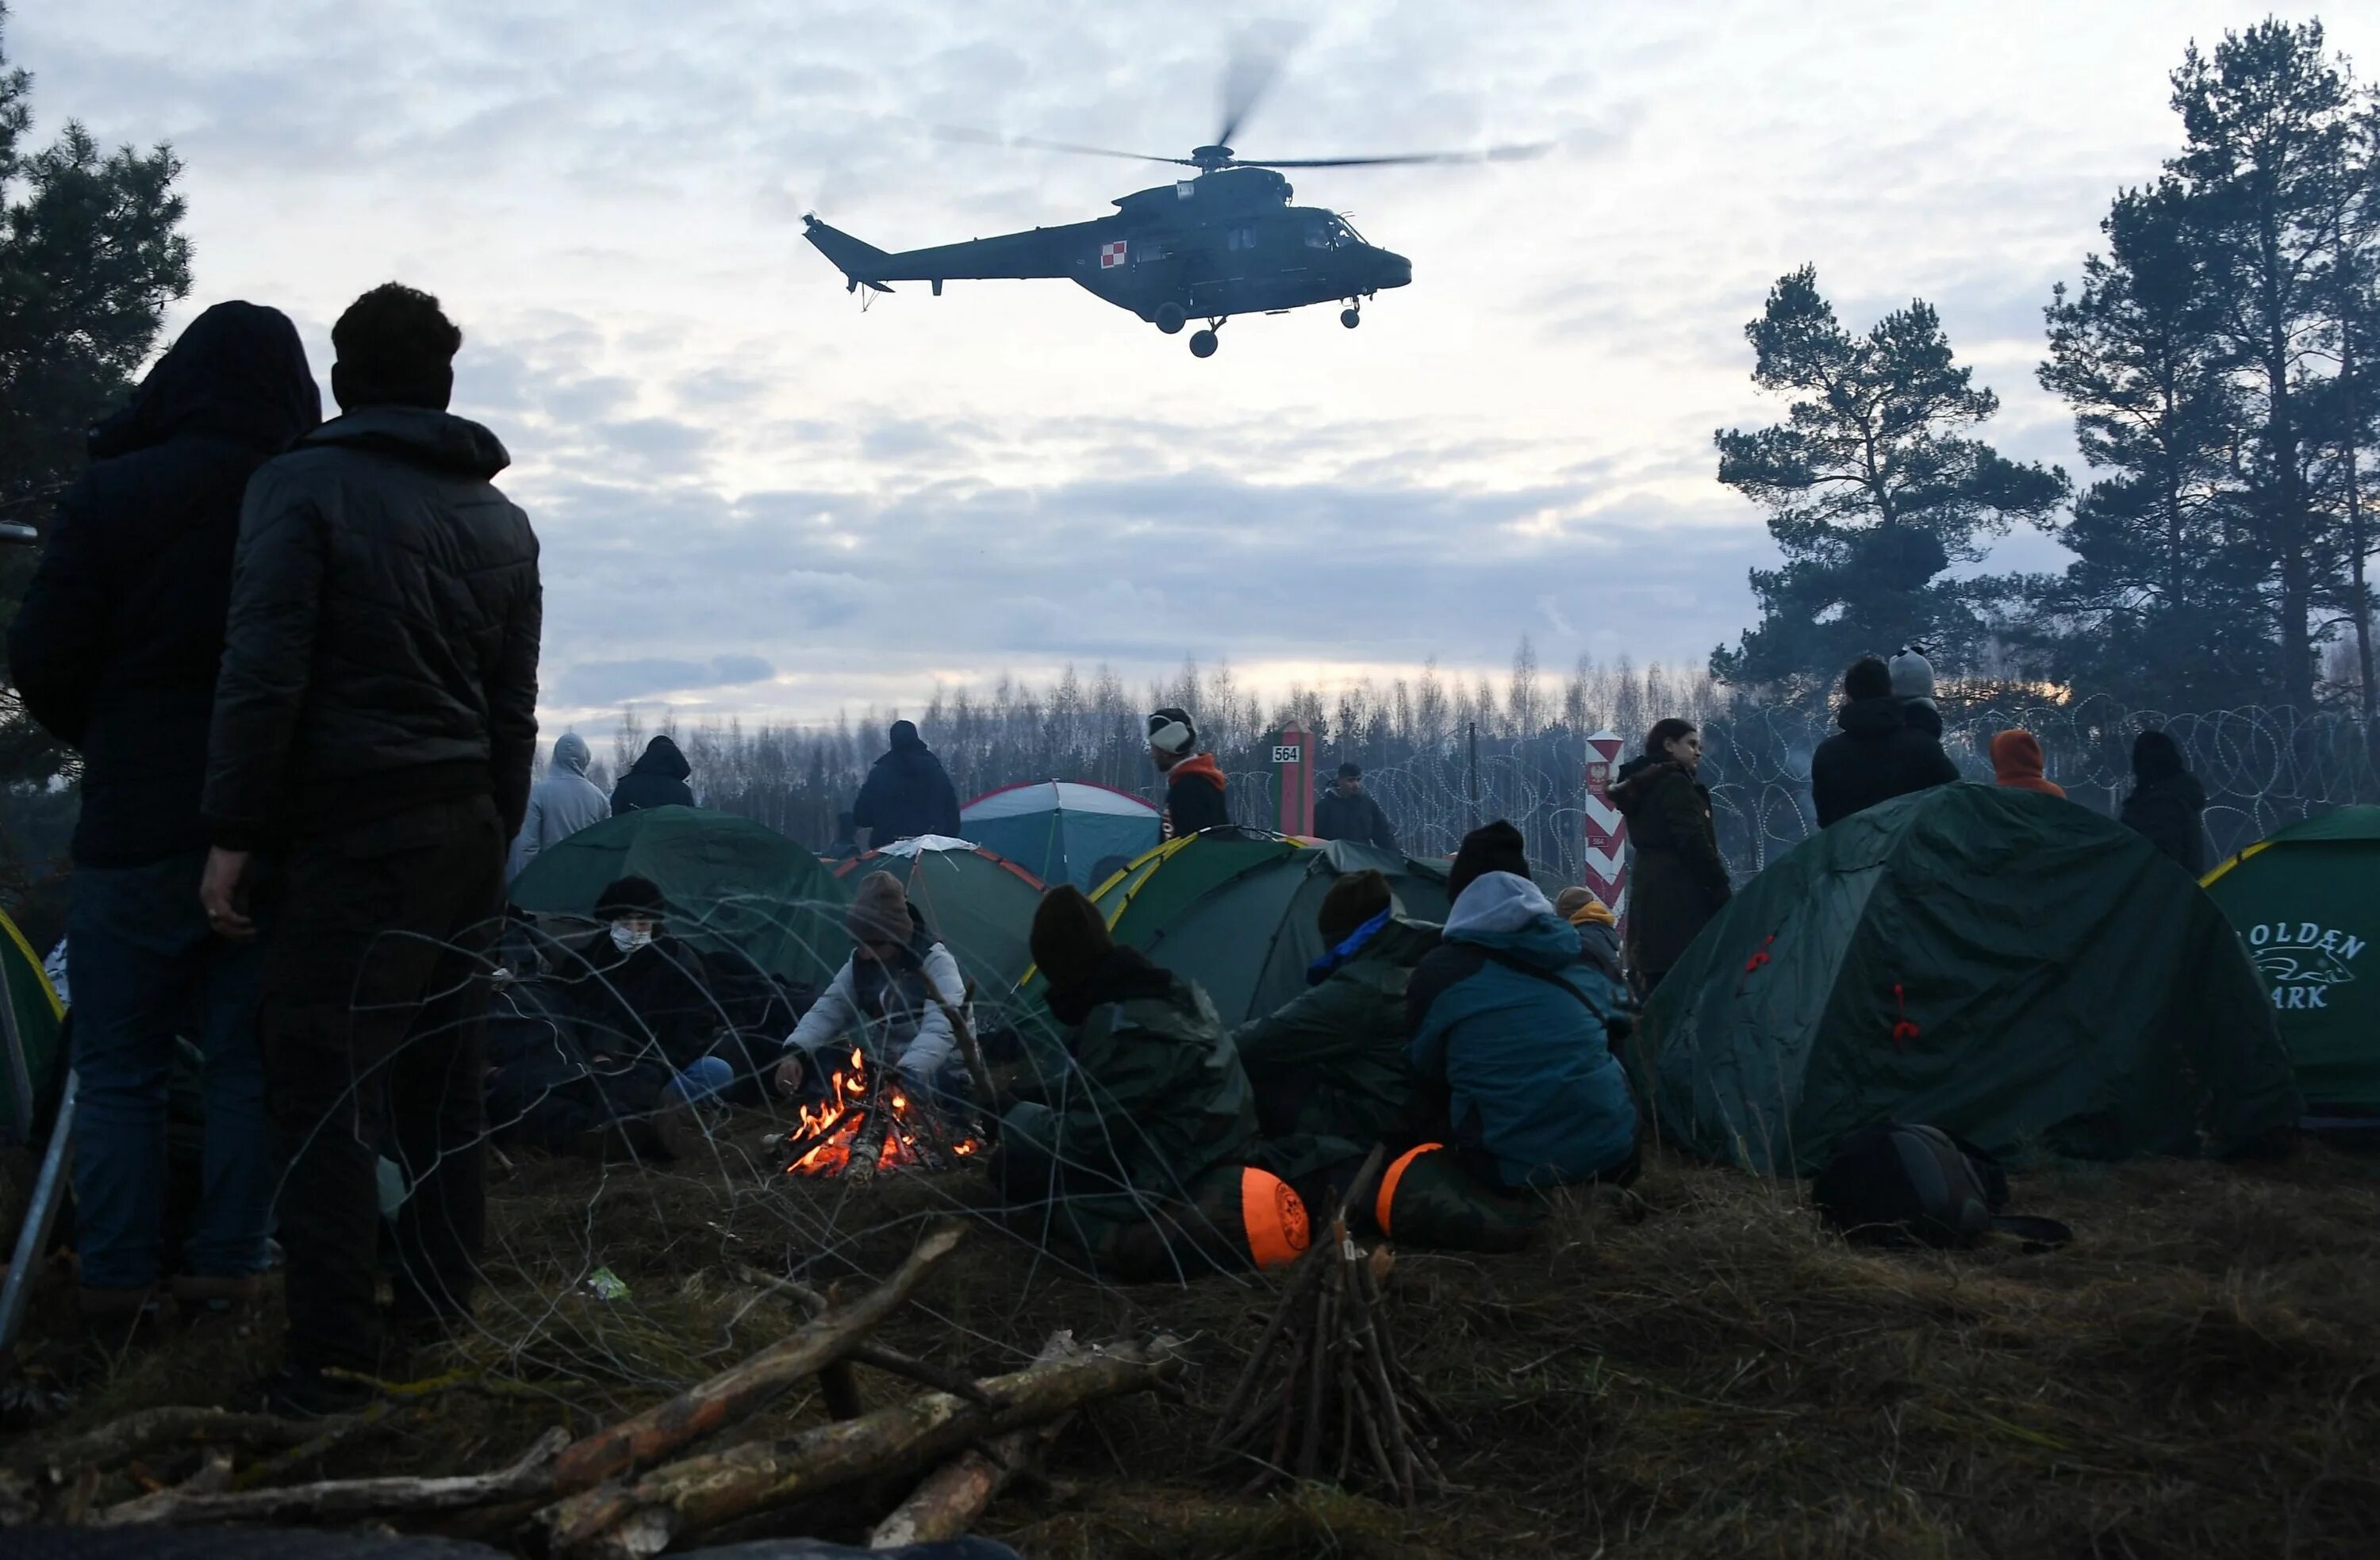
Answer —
608 683
758 492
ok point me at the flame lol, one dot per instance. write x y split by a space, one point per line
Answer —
912 1140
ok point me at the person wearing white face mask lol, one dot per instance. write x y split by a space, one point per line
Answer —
647 1017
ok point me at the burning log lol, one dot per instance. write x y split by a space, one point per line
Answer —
951 1499
743 1389
634 1520
1345 1400
864 1127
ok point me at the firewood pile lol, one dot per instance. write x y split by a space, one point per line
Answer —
634 1488
1324 1395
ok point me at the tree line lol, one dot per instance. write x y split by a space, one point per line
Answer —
2217 353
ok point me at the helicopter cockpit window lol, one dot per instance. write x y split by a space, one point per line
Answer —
1325 233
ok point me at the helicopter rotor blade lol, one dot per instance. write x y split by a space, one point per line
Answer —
1034 143
1519 153
1246 80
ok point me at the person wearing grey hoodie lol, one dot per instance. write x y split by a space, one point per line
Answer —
561 804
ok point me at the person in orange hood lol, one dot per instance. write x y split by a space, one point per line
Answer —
1194 785
2016 763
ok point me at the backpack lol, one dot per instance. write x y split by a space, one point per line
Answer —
1893 1184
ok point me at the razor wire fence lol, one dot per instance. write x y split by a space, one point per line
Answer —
2262 768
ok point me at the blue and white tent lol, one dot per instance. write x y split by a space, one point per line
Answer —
1062 831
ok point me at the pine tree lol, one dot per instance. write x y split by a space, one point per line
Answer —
2266 121
90 253
1872 488
2152 608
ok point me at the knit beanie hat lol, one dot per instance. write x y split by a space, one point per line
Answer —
638 898
1172 730
1579 907
2155 755
1868 678
1496 847
1913 675
1350 901
1070 937
879 910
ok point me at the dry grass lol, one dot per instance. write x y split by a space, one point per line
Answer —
1709 1373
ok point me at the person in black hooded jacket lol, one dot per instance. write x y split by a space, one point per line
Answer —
114 651
656 779
374 731
1888 747
2167 804
906 793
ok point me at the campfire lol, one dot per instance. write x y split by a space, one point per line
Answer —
863 1127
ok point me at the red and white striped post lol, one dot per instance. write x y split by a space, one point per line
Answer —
1293 764
1605 869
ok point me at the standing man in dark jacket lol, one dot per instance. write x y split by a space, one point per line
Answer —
908 793
656 779
116 652
1196 793
2167 804
375 725
1888 747
1679 882
1347 812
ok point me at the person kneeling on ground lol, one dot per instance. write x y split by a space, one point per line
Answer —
641 1006
891 997
1331 1062
1135 1139
1510 1028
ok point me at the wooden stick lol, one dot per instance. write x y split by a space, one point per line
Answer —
972 1054
950 1500
335 1433
114 1444
925 1373
349 1500
630 1521
1317 1384
1308 1274
743 1389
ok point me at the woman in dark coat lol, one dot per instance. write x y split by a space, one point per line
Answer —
1679 880
2167 804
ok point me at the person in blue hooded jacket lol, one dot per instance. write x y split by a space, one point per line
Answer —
1509 1030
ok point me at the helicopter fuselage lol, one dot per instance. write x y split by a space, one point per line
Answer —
1226 242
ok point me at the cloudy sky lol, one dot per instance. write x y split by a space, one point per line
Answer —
756 500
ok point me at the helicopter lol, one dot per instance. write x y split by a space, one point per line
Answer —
1224 242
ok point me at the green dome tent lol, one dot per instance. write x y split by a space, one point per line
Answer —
2307 901
978 904
2011 967
1235 912
30 1032
729 884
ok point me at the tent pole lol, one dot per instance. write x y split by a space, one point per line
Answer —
21 1074
40 1214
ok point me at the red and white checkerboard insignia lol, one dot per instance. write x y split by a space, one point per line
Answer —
1112 255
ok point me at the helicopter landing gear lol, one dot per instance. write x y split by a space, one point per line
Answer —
1351 316
1169 319
1203 343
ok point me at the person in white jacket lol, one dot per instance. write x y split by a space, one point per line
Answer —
561 804
891 999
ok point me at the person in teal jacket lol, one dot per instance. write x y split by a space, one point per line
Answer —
1508 1027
